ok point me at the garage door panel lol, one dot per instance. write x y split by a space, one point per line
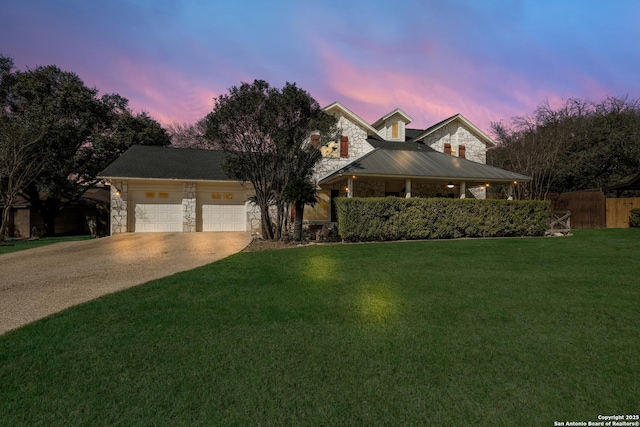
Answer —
157 214
222 211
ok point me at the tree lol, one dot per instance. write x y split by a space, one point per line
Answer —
83 133
186 135
579 145
266 133
300 192
20 163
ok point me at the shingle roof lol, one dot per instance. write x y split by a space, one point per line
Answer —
168 163
409 160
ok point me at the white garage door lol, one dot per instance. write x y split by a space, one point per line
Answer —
157 211
223 210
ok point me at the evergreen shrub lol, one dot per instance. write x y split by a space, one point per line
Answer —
394 218
634 218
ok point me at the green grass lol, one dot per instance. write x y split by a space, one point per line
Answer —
21 245
469 332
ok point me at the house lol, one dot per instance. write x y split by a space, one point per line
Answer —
87 215
168 189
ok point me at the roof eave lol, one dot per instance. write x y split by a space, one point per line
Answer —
351 116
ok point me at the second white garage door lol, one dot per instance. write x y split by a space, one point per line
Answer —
222 210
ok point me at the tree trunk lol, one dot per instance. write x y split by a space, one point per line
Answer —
297 223
5 221
265 222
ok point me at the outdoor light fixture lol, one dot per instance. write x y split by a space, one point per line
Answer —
487 185
450 185
117 192
515 182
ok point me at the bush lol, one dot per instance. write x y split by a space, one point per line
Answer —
634 218
394 218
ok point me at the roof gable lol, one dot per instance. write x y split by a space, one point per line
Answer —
397 112
336 109
486 139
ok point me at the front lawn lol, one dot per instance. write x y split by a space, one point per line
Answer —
20 245
464 332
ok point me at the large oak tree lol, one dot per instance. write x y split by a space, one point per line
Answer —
83 132
266 133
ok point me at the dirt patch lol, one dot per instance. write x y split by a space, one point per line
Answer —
257 245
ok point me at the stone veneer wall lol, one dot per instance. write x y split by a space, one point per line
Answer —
358 146
478 192
368 188
189 206
119 206
423 189
254 224
456 134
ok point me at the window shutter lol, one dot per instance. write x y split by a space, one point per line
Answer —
315 140
447 148
462 151
344 146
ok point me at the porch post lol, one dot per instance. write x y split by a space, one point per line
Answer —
350 187
510 192
463 189
407 188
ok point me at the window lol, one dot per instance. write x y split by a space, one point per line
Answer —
329 150
319 211
395 130
462 151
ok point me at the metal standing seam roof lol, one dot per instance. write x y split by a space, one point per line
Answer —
423 163
168 163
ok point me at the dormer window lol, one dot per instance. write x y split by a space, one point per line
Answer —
392 127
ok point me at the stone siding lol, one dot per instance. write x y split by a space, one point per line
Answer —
358 146
119 197
189 207
456 134
368 188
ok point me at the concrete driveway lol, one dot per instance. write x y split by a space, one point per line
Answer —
41 281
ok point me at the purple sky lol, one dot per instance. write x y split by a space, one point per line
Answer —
489 60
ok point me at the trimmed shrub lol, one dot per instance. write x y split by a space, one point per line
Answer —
394 218
634 218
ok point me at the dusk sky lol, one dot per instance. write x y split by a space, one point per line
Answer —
488 60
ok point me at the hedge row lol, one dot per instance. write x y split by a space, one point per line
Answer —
394 218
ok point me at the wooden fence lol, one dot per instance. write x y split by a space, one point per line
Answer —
587 207
619 209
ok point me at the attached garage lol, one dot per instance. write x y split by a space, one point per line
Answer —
159 189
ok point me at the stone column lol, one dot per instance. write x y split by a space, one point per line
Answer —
119 197
350 187
189 207
463 189
510 192
407 188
